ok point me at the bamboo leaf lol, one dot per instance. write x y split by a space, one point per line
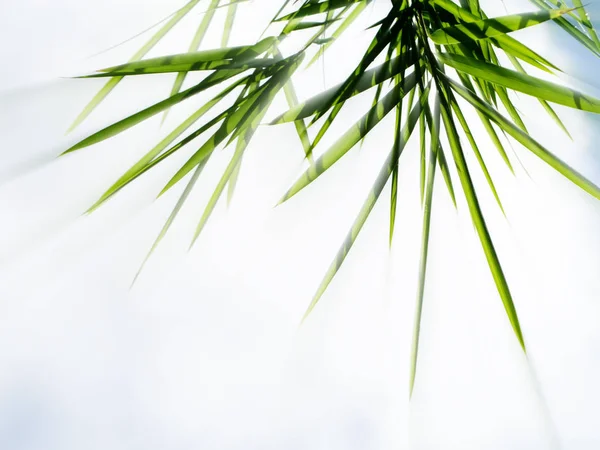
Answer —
487 28
369 203
350 18
521 82
180 202
480 225
368 79
111 84
229 20
435 142
574 32
233 181
384 37
348 140
225 64
463 122
422 160
505 42
140 116
515 62
204 60
236 122
234 163
135 170
313 8
194 45
527 141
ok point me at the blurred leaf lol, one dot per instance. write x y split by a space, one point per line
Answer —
369 203
412 45
499 26
435 143
111 84
522 82
480 225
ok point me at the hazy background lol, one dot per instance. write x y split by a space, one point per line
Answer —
205 351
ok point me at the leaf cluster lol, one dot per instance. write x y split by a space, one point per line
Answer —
440 60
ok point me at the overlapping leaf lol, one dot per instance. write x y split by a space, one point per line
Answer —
447 47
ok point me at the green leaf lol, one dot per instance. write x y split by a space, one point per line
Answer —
229 20
505 42
292 101
143 162
368 79
422 160
348 20
515 62
574 32
435 142
488 126
480 225
312 8
307 25
234 163
463 122
585 20
140 116
487 28
234 57
388 32
380 182
194 45
225 64
111 84
180 202
527 141
236 122
521 82
348 140
233 181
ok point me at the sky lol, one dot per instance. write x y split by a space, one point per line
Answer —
204 351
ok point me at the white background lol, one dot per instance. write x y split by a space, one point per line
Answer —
205 351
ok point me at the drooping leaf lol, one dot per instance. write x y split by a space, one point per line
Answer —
380 182
313 8
350 18
504 42
194 45
488 28
223 58
111 84
348 140
414 43
368 80
527 141
145 160
435 142
480 224
522 82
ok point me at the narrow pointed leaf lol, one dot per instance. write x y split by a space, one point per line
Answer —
521 82
180 202
505 42
348 140
380 182
435 142
111 84
313 8
480 225
527 141
498 26
134 119
128 176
